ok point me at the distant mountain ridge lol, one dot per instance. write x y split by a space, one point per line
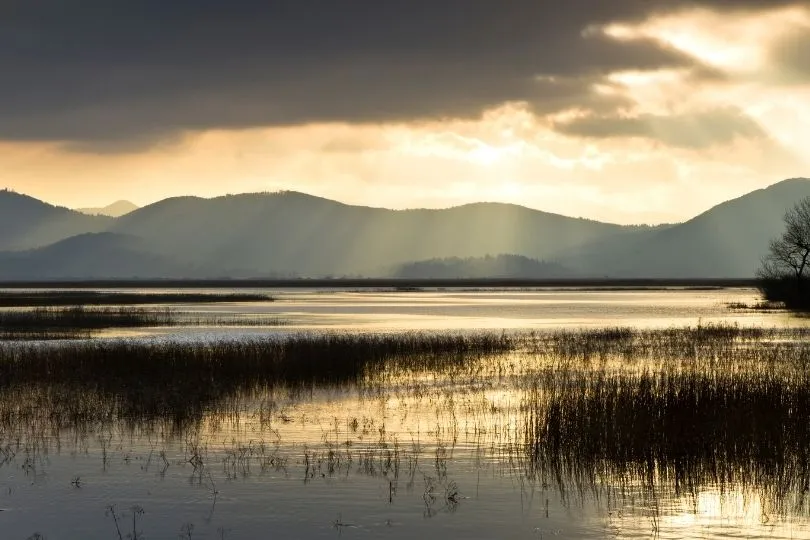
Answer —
727 241
88 256
290 234
116 209
26 222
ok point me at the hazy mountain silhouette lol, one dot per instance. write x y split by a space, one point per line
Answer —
90 255
291 234
727 241
27 223
116 209
500 266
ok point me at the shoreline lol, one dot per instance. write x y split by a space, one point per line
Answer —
392 283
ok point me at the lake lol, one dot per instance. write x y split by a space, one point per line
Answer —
442 310
552 428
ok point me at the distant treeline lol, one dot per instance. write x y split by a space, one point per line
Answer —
507 266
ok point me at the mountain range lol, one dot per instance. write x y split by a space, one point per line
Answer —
290 234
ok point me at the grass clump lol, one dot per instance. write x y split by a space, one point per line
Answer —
763 305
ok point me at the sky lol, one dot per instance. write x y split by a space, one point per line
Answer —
629 111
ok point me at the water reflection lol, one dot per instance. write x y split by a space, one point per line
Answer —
699 433
434 310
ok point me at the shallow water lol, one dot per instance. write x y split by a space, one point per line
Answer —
431 455
441 310
332 463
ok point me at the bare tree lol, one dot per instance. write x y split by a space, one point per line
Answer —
789 255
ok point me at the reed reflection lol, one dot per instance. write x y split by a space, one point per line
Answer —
660 430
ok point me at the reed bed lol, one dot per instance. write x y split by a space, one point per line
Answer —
79 322
226 321
664 418
87 318
156 370
682 409
98 298
301 358
701 347
730 408
43 334
148 379
763 305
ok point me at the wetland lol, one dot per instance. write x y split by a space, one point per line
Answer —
435 413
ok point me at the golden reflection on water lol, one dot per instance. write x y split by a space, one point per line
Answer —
491 417
711 513
442 310
484 431
483 428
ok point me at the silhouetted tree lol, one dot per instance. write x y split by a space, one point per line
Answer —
784 270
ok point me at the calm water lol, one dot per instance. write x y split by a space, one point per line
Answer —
488 309
427 455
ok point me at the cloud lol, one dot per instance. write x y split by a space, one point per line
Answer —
507 155
118 76
699 130
767 47
789 58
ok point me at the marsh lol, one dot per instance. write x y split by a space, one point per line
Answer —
694 423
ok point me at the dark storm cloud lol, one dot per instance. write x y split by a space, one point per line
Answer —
91 71
693 131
